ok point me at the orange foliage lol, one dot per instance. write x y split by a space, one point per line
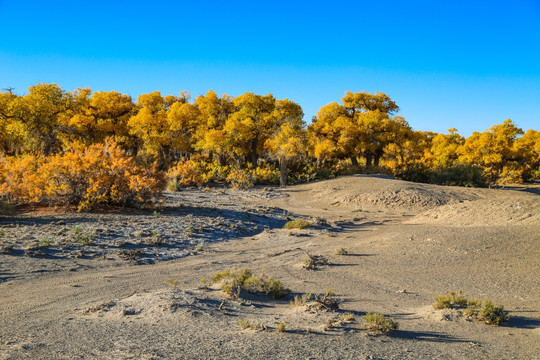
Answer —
102 174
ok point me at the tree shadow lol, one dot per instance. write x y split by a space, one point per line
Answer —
522 322
428 336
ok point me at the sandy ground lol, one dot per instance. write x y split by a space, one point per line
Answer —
126 285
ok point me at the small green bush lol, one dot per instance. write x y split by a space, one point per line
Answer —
493 315
379 324
297 224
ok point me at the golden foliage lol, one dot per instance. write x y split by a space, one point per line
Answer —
187 173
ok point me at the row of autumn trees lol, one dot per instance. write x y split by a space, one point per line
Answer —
246 139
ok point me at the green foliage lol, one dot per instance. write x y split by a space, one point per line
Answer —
493 315
379 324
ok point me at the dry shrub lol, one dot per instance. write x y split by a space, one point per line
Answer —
233 282
101 174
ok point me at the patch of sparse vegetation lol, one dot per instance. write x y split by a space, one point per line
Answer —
317 303
244 324
300 300
378 324
485 311
77 229
46 242
83 239
281 328
297 224
332 323
173 282
155 239
233 282
313 262
341 251
81 236
129 255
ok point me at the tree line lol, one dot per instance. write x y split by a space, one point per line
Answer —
257 138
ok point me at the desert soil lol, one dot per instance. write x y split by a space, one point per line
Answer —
126 284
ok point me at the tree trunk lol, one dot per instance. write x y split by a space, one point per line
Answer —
376 160
354 160
254 155
369 160
282 171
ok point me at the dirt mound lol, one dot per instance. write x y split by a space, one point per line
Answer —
370 191
484 212
408 197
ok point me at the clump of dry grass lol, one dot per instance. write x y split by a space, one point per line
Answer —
313 262
318 302
233 282
281 328
341 251
300 300
244 324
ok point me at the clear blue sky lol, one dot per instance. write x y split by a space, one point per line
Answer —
464 64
